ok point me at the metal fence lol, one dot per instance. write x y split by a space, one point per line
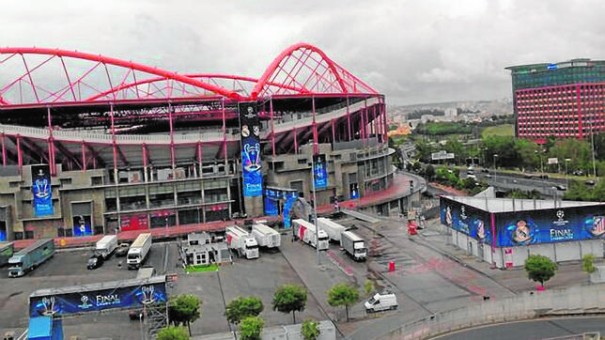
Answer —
582 300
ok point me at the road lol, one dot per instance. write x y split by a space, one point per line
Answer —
532 329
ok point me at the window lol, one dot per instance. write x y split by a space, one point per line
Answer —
302 161
65 181
97 180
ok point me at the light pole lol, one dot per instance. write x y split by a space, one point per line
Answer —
541 170
567 160
315 211
141 325
495 172
167 225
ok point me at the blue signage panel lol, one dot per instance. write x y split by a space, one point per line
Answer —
251 150
291 197
551 225
466 219
82 226
320 172
97 300
42 190
272 198
354 189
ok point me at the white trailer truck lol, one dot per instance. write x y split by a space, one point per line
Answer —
354 245
138 251
242 242
305 231
266 236
106 246
332 228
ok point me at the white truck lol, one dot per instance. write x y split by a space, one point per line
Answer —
305 231
354 245
244 244
138 251
332 228
266 236
106 246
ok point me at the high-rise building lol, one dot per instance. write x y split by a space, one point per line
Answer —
562 100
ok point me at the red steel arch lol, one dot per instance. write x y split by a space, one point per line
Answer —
63 93
301 69
306 66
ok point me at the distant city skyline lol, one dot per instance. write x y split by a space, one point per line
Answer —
412 51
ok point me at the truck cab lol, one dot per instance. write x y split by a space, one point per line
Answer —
385 300
15 266
133 258
323 240
251 248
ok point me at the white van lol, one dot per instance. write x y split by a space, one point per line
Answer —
381 301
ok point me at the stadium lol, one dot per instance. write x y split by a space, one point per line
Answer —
93 144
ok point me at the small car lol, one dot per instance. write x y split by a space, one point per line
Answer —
94 262
122 249
590 182
560 187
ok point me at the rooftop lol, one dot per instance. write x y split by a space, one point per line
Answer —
497 205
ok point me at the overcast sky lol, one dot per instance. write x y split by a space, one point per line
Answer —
415 51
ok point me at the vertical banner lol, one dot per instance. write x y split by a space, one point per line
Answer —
354 188
42 190
320 172
251 160
291 197
82 225
272 197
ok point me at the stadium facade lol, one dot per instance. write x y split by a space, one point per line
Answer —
562 100
92 144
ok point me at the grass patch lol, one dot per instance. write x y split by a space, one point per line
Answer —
201 268
498 130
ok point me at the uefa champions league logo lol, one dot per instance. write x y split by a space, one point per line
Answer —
560 215
147 295
84 304
463 213
49 306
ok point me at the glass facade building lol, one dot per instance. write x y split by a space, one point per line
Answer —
562 100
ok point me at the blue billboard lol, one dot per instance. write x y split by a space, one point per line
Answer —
273 197
320 172
465 219
95 300
549 226
42 190
251 150
82 225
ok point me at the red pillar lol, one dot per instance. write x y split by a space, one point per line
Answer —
172 156
3 151
315 137
83 151
224 135
115 146
295 142
272 126
348 120
19 156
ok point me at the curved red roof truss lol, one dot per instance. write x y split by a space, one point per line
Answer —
40 76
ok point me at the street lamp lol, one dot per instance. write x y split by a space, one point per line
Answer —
315 211
567 160
495 172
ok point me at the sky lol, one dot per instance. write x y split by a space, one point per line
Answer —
420 51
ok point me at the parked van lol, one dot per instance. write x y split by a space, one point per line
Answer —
381 301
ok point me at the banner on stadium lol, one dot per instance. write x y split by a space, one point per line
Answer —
354 189
320 172
42 190
82 225
251 150
96 300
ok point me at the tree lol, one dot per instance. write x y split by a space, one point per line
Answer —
342 294
242 307
251 328
172 333
310 330
588 263
540 268
429 172
184 309
368 287
290 298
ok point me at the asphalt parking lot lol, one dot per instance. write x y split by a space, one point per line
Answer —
68 268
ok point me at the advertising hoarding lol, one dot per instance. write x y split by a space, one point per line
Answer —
273 196
320 172
42 190
251 150
466 219
82 225
550 225
95 300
